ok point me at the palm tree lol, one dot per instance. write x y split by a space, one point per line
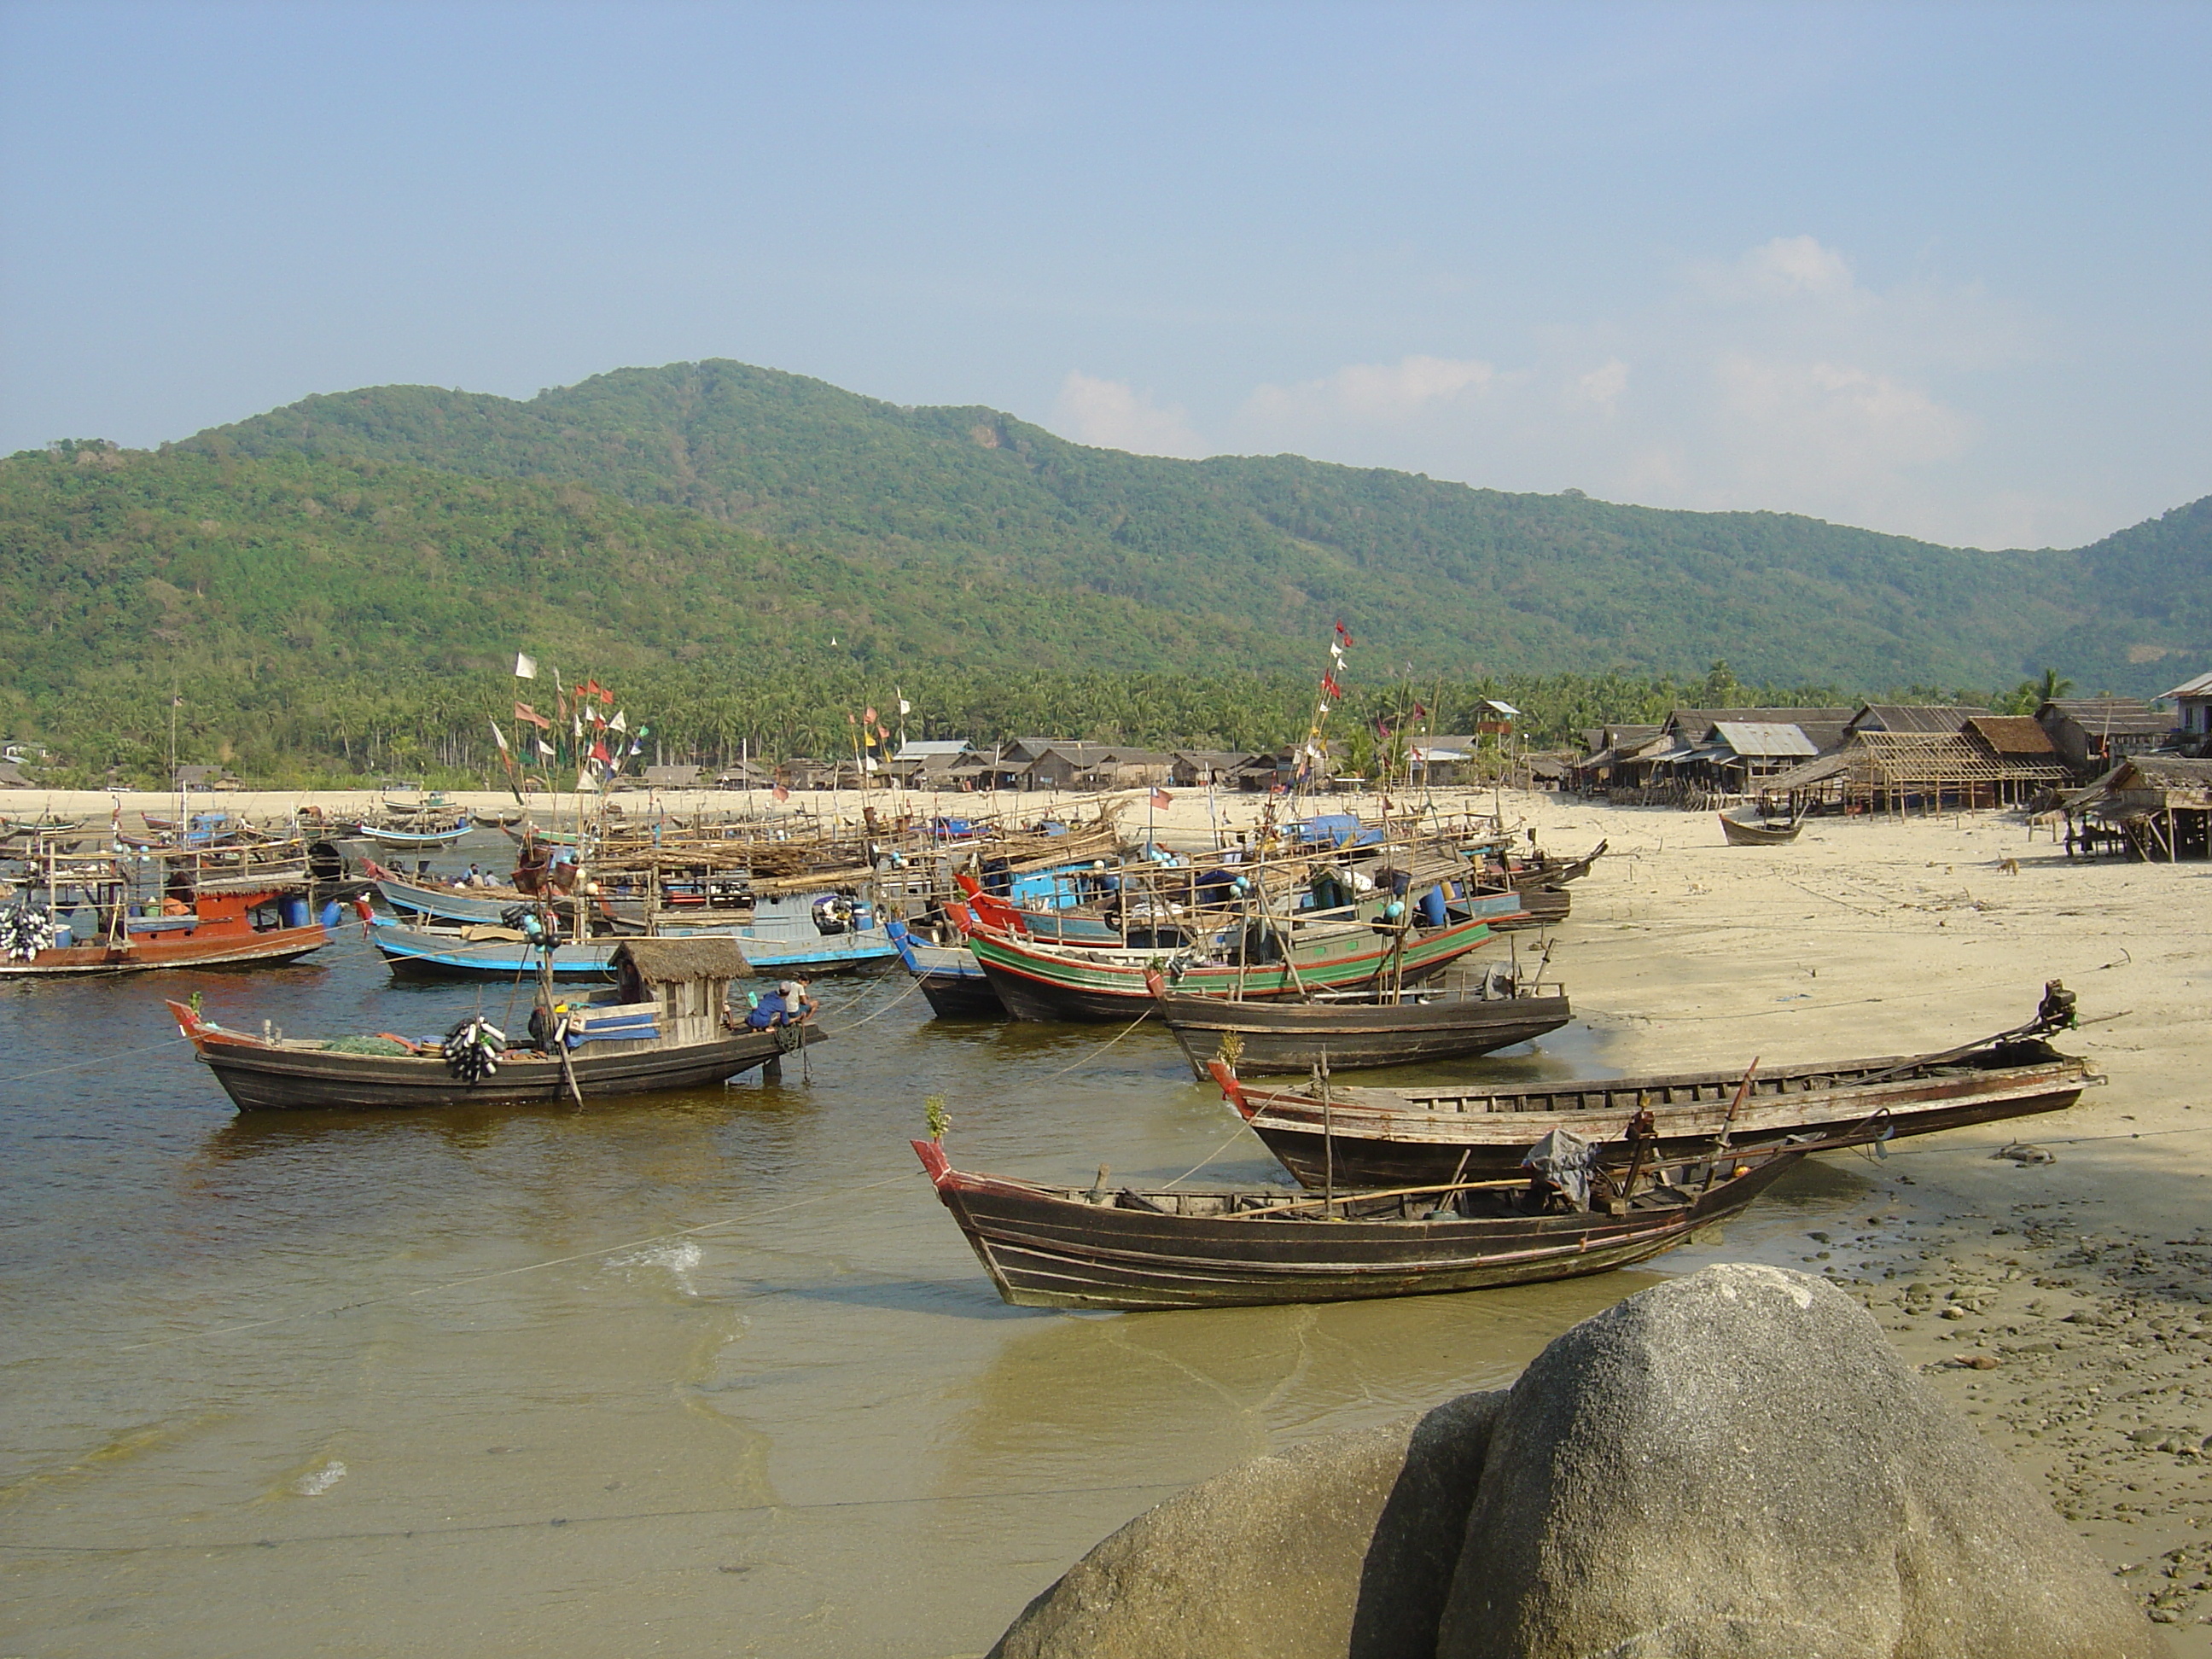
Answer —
2052 687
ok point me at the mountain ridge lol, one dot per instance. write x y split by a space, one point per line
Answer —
1450 577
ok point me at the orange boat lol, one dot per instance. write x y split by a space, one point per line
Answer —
249 926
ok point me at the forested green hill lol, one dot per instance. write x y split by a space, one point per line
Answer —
342 582
1452 579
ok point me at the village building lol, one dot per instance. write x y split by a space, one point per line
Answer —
2192 729
2091 733
1199 768
2155 807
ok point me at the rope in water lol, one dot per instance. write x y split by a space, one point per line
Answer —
1102 1048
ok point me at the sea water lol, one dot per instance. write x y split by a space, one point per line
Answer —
705 1372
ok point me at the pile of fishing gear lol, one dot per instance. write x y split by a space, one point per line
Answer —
472 1049
24 931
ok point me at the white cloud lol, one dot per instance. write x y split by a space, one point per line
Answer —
1791 265
1375 391
1777 377
1114 414
1601 388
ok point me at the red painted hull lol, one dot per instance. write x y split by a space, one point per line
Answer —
216 945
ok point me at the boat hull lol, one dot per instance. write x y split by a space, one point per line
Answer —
1055 986
410 954
1283 1036
1386 1137
1742 833
270 948
1043 1249
259 1079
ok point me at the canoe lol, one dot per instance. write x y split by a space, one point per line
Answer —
1041 983
948 975
1377 1137
1067 1247
1746 826
1360 1029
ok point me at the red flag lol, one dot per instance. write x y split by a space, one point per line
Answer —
606 697
599 753
870 717
781 792
1344 634
1329 684
523 711
1420 712
1161 800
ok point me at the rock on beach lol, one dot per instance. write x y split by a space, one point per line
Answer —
1734 1463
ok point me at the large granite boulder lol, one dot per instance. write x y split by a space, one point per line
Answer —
1736 1463
1342 1546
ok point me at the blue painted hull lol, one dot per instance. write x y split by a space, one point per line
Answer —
412 954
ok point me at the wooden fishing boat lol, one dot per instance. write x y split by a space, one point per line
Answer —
1355 1029
401 839
247 926
950 977
1377 1137
664 1026
495 953
1751 826
1069 1247
1040 983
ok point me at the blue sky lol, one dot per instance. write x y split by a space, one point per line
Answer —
1940 270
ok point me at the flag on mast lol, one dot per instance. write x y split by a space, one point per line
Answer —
525 667
499 736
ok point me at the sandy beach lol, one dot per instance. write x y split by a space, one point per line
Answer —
2062 1304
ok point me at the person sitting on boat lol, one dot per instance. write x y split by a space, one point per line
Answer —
787 1005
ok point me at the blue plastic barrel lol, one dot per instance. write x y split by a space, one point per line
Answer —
1432 907
332 912
293 909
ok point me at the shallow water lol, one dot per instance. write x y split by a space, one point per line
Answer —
699 1372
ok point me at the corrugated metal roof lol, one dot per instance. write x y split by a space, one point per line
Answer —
921 748
1765 738
1941 718
2117 717
2199 687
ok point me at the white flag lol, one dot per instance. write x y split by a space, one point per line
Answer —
499 736
905 707
525 668
618 722
545 749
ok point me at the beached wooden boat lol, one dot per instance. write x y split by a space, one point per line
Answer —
1375 1137
1751 826
663 1026
950 977
1355 1029
499 953
1070 1247
250 925
1040 983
